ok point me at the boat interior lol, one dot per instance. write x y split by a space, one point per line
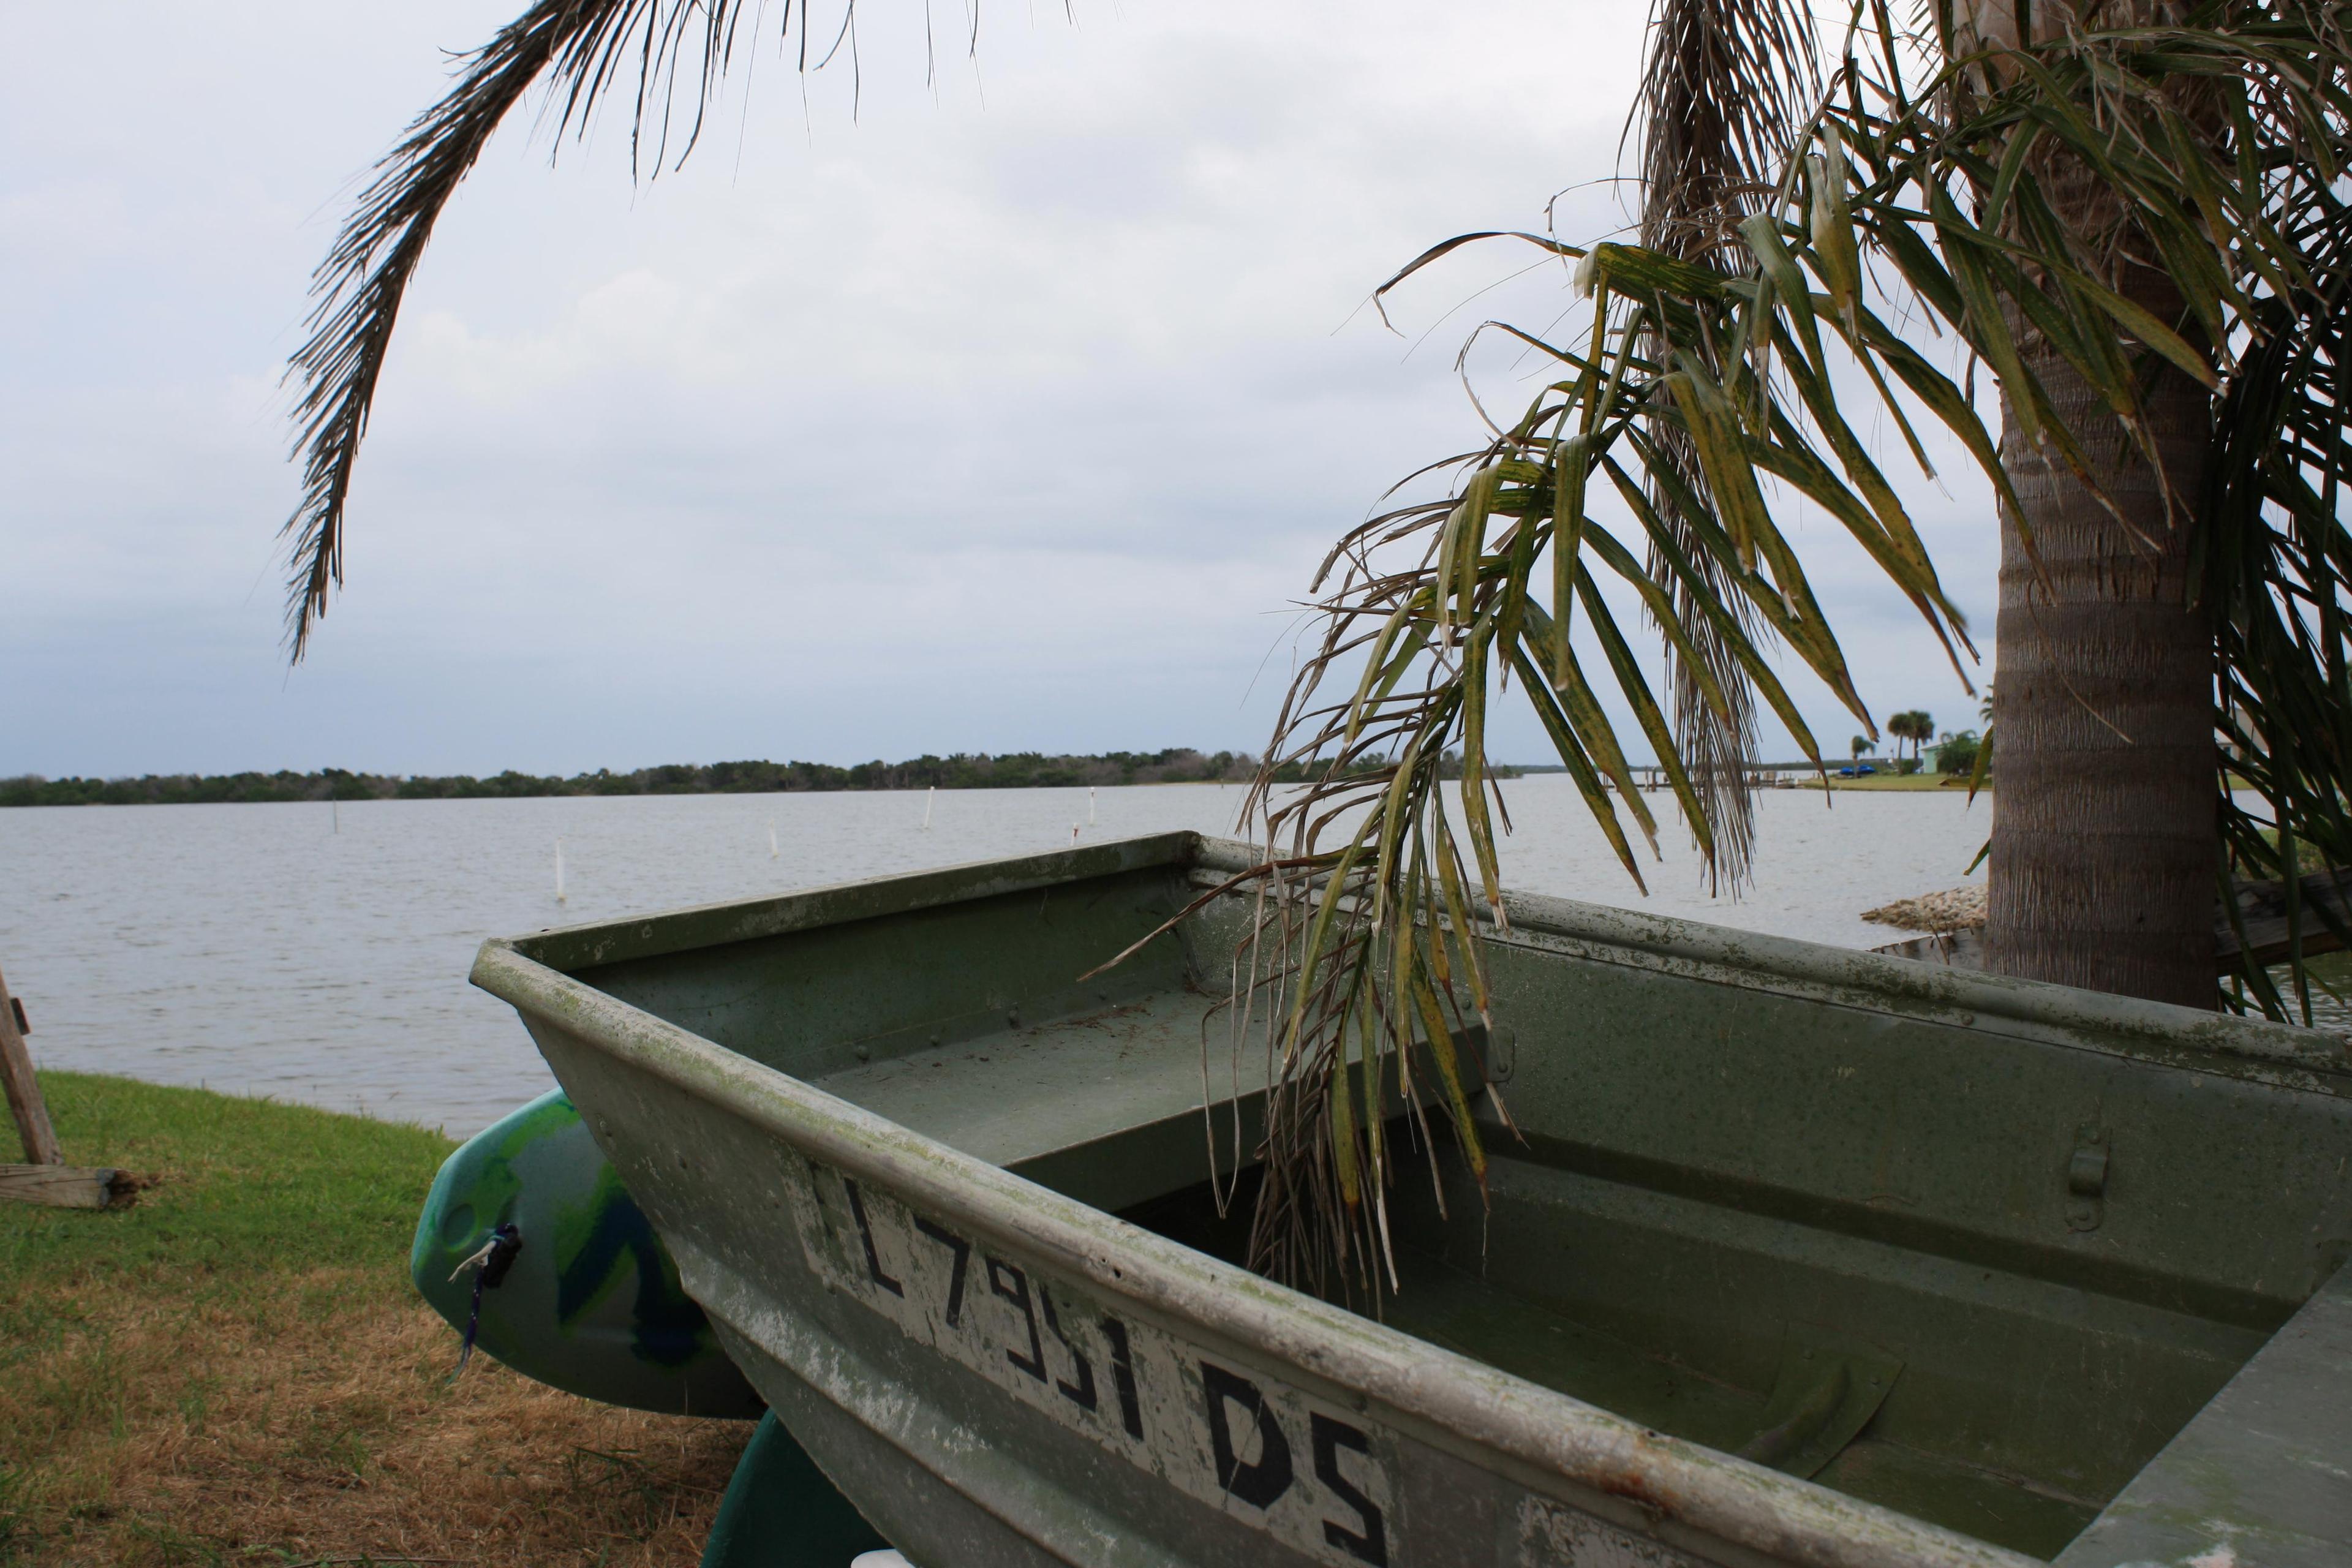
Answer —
1980 1269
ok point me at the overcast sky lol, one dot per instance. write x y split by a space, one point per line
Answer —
1009 412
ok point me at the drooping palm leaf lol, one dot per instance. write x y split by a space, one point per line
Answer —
1727 88
667 55
1932 187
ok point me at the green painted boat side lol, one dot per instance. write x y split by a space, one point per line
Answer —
2257 1480
1948 1258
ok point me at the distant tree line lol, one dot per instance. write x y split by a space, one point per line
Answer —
1016 769
1011 770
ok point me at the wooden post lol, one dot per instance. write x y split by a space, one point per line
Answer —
68 1186
25 1101
47 1179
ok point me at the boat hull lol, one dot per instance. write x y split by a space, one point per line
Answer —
1255 1412
995 1371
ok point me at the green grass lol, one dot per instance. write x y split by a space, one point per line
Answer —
236 1371
264 1219
1904 782
246 1187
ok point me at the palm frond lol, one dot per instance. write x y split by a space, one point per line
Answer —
1727 89
1728 86
1941 180
667 55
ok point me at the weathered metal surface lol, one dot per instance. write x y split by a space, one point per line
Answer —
591 1302
2262 1477
1821 1399
1738 1150
956 1473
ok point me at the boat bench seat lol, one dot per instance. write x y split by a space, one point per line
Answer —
2261 1476
1103 1107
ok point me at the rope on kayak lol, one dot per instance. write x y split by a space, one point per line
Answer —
490 1265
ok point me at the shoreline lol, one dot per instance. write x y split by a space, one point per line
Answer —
1898 783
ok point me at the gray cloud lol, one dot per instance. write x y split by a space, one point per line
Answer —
1008 413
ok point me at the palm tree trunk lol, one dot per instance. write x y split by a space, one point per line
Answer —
2106 838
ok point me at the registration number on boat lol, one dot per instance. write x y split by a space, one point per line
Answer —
1308 1472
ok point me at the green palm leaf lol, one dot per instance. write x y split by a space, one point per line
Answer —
1922 190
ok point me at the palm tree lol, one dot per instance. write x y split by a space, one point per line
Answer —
2108 662
2130 213
1860 744
2127 211
1907 726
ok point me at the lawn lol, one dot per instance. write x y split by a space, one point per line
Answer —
236 1371
1886 781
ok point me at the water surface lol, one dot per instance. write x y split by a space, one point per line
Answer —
320 954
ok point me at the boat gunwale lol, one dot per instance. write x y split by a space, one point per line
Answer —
2162 1032
592 943
1439 1397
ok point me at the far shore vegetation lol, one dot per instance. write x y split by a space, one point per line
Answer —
1011 770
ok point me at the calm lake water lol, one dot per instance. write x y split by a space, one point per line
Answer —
259 949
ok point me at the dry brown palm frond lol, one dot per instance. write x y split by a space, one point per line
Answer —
1728 90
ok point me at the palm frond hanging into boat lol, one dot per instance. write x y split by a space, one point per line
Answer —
1697 404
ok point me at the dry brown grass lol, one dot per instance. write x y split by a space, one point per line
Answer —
176 1389
228 1442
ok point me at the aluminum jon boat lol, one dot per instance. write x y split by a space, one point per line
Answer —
1805 1256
